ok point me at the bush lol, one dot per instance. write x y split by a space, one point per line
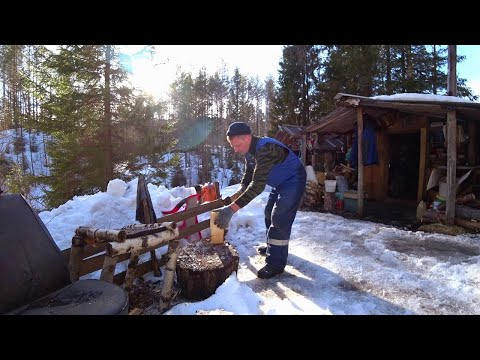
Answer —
18 145
17 181
179 178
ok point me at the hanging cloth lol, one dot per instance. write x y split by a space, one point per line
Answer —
369 145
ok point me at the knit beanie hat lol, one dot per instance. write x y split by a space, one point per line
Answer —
238 128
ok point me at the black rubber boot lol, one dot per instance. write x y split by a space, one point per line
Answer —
262 250
268 271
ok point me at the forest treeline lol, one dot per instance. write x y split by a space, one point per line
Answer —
95 126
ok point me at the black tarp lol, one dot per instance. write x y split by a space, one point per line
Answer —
31 264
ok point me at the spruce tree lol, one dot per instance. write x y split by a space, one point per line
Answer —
80 88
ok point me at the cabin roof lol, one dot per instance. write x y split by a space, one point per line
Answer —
343 119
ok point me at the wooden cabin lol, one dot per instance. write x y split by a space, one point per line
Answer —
311 147
410 135
294 137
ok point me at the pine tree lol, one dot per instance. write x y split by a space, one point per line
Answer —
80 89
298 78
142 139
270 95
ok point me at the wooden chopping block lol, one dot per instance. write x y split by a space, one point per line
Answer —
203 267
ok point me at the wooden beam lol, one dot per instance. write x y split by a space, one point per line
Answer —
75 260
472 143
183 215
166 293
142 269
304 150
89 263
192 202
88 250
184 232
452 70
218 194
92 264
451 138
149 242
144 204
360 162
131 270
108 268
421 168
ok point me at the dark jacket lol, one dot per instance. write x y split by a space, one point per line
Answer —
268 162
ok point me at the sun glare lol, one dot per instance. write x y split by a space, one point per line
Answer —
154 76
146 77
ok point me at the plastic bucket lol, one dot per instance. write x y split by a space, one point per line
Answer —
339 204
330 185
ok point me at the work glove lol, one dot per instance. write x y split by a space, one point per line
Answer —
224 215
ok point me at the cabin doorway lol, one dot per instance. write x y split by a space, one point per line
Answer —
403 166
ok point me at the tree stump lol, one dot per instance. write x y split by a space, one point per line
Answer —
202 267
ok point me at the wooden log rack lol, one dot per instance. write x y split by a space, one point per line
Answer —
102 249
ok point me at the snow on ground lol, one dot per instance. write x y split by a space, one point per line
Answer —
335 266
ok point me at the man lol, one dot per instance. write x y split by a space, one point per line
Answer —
267 161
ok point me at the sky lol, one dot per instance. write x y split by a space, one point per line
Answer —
469 69
157 75
253 60
336 266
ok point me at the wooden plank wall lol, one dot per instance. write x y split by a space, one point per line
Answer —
376 176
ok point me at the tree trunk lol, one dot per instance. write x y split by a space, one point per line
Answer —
203 267
108 120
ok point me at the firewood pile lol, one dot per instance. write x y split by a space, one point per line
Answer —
313 195
467 213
